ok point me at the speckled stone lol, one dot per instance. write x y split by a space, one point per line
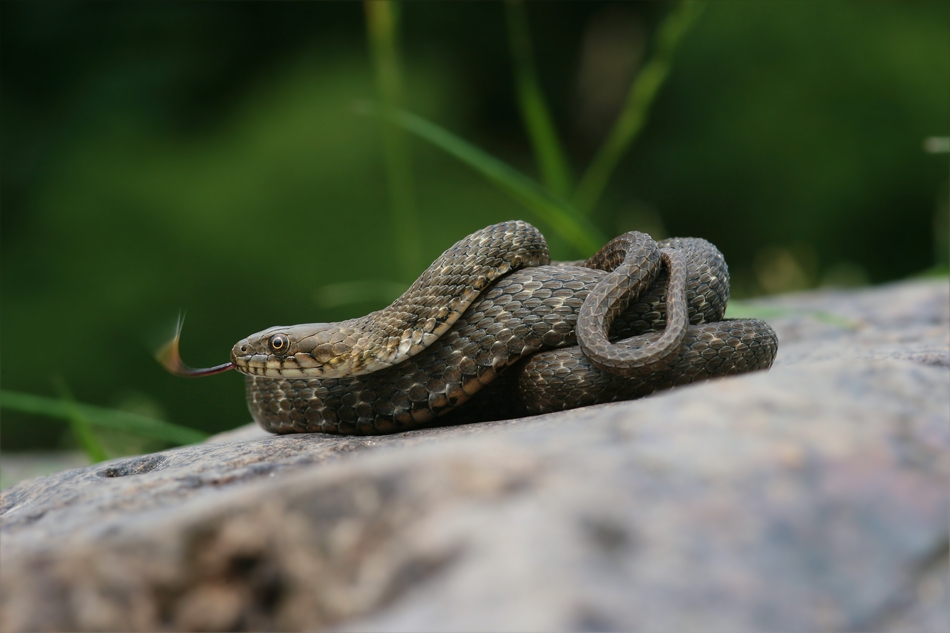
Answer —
810 497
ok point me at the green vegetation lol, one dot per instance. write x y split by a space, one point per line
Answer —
207 156
551 201
98 416
637 105
382 26
558 213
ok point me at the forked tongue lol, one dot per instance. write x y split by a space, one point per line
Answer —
170 359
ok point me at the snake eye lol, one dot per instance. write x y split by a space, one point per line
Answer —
279 343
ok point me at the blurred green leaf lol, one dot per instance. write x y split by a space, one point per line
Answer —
548 152
382 26
558 213
632 118
100 416
79 424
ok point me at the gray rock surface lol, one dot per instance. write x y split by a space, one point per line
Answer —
811 497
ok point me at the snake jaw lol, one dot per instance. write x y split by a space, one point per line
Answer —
309 351
315 350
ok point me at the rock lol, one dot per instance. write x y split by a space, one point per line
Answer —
811 497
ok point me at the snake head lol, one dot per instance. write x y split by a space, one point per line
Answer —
312 350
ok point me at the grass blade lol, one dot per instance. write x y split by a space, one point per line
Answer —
101 416
80 425
548 152
575 229
634 114
382 26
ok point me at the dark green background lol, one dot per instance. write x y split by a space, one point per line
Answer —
207 156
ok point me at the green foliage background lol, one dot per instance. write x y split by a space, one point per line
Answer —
209 156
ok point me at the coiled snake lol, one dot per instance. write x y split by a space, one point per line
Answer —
492 330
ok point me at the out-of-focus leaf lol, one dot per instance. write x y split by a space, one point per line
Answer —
558 213
382 28
101 416
90 445
637 106
548 151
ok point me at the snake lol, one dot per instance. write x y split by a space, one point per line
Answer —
494 330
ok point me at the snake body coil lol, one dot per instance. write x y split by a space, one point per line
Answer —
669 317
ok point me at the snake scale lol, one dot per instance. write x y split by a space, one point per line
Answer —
493 330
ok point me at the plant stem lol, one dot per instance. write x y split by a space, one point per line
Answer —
382 25
636 108
535 113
